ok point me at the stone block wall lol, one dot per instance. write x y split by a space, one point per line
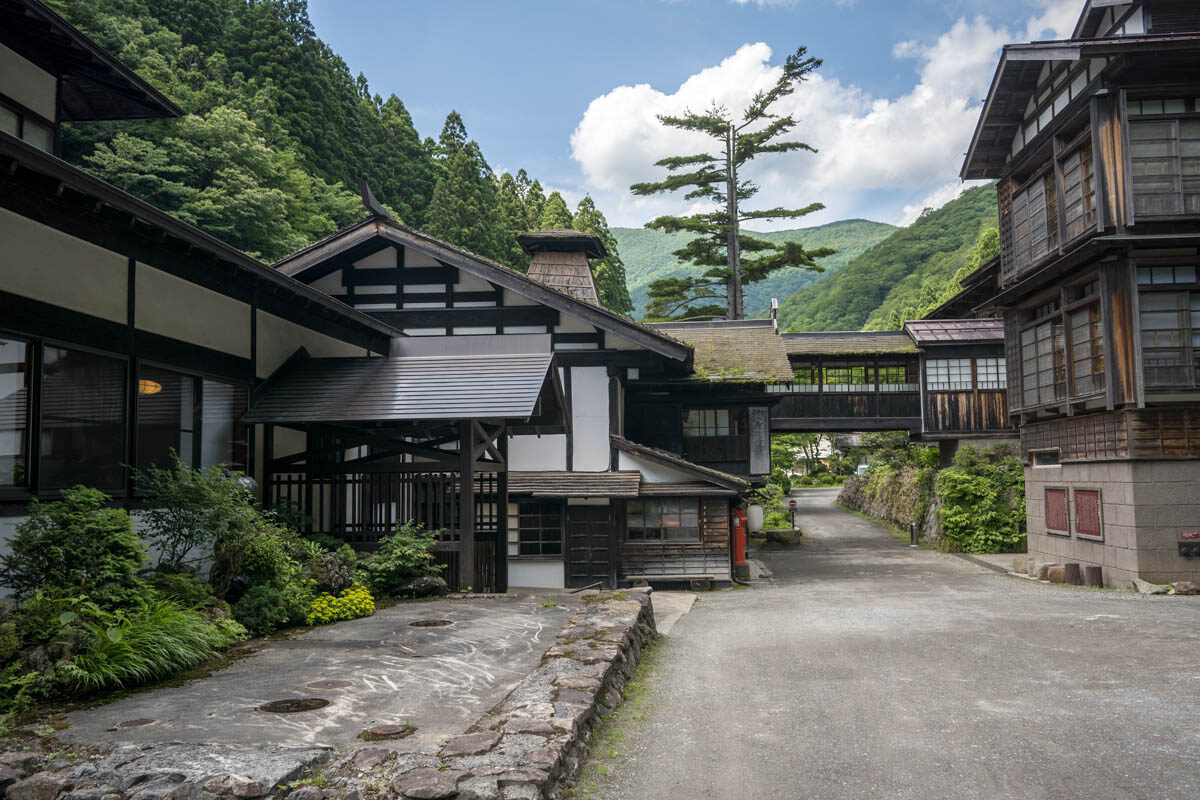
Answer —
1145 507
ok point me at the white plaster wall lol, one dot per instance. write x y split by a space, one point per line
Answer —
173 307
28 84
537 453
39 262
381 260
418 258
278 339
571 324
536 574
589 419
619 343
652 472
511 298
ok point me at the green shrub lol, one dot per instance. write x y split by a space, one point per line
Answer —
148 643
264 609
182 588
406 554
331 573
76 546
351 603
777 520
983 502
326 542
186 510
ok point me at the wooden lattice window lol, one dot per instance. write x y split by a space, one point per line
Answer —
1087 350
1058 518
1087 513
1079 193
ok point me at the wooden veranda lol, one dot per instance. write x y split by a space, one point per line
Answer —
355 447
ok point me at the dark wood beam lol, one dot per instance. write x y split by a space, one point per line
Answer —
508 316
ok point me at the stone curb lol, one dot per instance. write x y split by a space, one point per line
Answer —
530 746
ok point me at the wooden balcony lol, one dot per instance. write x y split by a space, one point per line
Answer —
847 412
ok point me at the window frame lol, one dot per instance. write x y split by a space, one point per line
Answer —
1098 536
24 113
1132 110
1066 495
660 540
199 380
35 484
513 536
1189 314
32 376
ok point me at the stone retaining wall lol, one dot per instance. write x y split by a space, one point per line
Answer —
528 747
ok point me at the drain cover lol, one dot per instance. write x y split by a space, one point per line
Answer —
387 732
136 723
430 623
330 684
293 706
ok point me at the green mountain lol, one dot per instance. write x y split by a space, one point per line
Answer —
896 273
648 257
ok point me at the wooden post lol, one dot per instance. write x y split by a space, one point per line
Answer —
466 506
501 553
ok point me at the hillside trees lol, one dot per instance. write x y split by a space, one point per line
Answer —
277 132
715 177
610 270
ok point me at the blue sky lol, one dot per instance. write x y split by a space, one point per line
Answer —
539 85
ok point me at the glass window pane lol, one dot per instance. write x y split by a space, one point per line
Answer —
16 362
9 121
39 135
83 420
223 437
166 417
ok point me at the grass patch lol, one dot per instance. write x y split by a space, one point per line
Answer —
610 744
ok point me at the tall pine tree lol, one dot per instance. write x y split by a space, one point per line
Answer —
555 214
610 270
714 176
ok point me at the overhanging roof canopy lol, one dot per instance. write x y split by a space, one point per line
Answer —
95 86
518 386
733 350
928 332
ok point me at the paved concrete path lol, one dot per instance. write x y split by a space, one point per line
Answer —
870 670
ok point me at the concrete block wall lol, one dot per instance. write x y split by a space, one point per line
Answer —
1145 507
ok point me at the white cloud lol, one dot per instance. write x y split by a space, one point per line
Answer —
908 148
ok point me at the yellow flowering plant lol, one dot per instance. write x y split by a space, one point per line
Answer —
350 603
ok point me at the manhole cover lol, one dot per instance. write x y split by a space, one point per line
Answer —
293 706
330 684
136 723
430 623
387 732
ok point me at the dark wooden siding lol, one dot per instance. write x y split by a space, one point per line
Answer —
1110 162
1118 435
834 404
708 557
966 412
1120 349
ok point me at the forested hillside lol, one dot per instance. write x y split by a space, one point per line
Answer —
649 256
900 274
276 133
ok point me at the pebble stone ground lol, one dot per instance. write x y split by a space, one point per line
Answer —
865 669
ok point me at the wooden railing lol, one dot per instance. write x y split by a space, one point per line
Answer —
839 405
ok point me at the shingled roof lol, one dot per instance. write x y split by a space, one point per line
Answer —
704 474
848 343
575 484
927 332
733 350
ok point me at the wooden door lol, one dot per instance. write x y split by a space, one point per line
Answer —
591 546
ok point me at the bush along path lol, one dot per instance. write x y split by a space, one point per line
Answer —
529 746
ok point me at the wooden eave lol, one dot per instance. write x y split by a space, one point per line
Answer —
1016 80
47 189
707 474
358 235
95 86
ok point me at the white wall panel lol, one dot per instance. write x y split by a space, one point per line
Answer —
537 453
171 306
28 84
589 419
536 574
278 339
45 264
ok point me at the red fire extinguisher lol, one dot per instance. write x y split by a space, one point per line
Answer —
739 536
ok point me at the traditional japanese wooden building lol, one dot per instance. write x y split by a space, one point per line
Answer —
1095 146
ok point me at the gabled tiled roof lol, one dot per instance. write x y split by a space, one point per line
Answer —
955 331
733 350
575 484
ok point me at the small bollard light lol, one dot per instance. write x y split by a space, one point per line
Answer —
912 534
